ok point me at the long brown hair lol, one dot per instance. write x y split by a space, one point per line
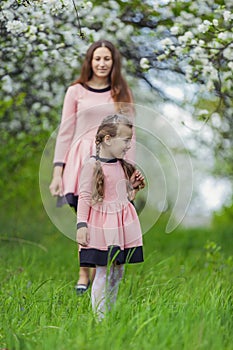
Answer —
109 126
119 88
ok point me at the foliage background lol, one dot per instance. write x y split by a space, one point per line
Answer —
182 44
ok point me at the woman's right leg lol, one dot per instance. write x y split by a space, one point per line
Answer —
83 275
86 276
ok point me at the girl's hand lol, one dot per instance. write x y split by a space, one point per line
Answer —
137 180
56 186
137 183
82 236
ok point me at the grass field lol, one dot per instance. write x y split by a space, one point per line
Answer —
179 298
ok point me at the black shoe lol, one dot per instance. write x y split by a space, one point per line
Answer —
82 288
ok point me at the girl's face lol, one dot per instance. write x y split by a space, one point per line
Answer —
102 62
121 143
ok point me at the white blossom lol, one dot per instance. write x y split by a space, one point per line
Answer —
230 65
178 51
228 53
216 120
203 28
202 112
144 63
222 36
227 15
14 125
189 73
16 27
193 42
38 31
7 85
166 42
174 30
206 22
186 37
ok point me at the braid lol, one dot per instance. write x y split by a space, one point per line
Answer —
128 170
98 177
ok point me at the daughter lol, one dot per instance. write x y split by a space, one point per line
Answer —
108 228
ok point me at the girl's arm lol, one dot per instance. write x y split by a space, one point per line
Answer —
137 183
84 202
82 236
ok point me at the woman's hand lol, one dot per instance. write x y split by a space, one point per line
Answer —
56 186
82 236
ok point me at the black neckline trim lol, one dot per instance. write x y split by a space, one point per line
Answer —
87 87
106 160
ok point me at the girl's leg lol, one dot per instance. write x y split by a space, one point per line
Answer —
105 288
114 277
98 291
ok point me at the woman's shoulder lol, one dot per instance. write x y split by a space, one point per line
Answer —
75 91
75 87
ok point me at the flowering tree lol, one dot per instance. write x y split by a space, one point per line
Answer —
200 45
41 51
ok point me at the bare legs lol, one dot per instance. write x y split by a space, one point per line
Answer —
86 275
83 275
105 288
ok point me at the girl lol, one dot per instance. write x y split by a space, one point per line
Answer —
100 85
108 228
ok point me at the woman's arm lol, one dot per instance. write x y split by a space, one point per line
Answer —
64 139
67 126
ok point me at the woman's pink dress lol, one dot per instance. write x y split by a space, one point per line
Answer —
83 111
113 224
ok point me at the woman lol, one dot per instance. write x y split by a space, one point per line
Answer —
100 90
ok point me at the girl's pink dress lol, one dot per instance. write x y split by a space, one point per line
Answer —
84 109
113 224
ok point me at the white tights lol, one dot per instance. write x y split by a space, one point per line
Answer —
105 288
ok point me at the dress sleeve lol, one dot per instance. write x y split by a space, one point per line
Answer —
85 192
67 126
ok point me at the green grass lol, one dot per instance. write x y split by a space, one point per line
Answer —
179 298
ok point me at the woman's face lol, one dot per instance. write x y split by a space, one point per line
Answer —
102 62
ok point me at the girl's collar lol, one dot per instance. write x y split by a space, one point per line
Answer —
87 87
106 160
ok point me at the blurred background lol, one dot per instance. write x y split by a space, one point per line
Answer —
177 58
